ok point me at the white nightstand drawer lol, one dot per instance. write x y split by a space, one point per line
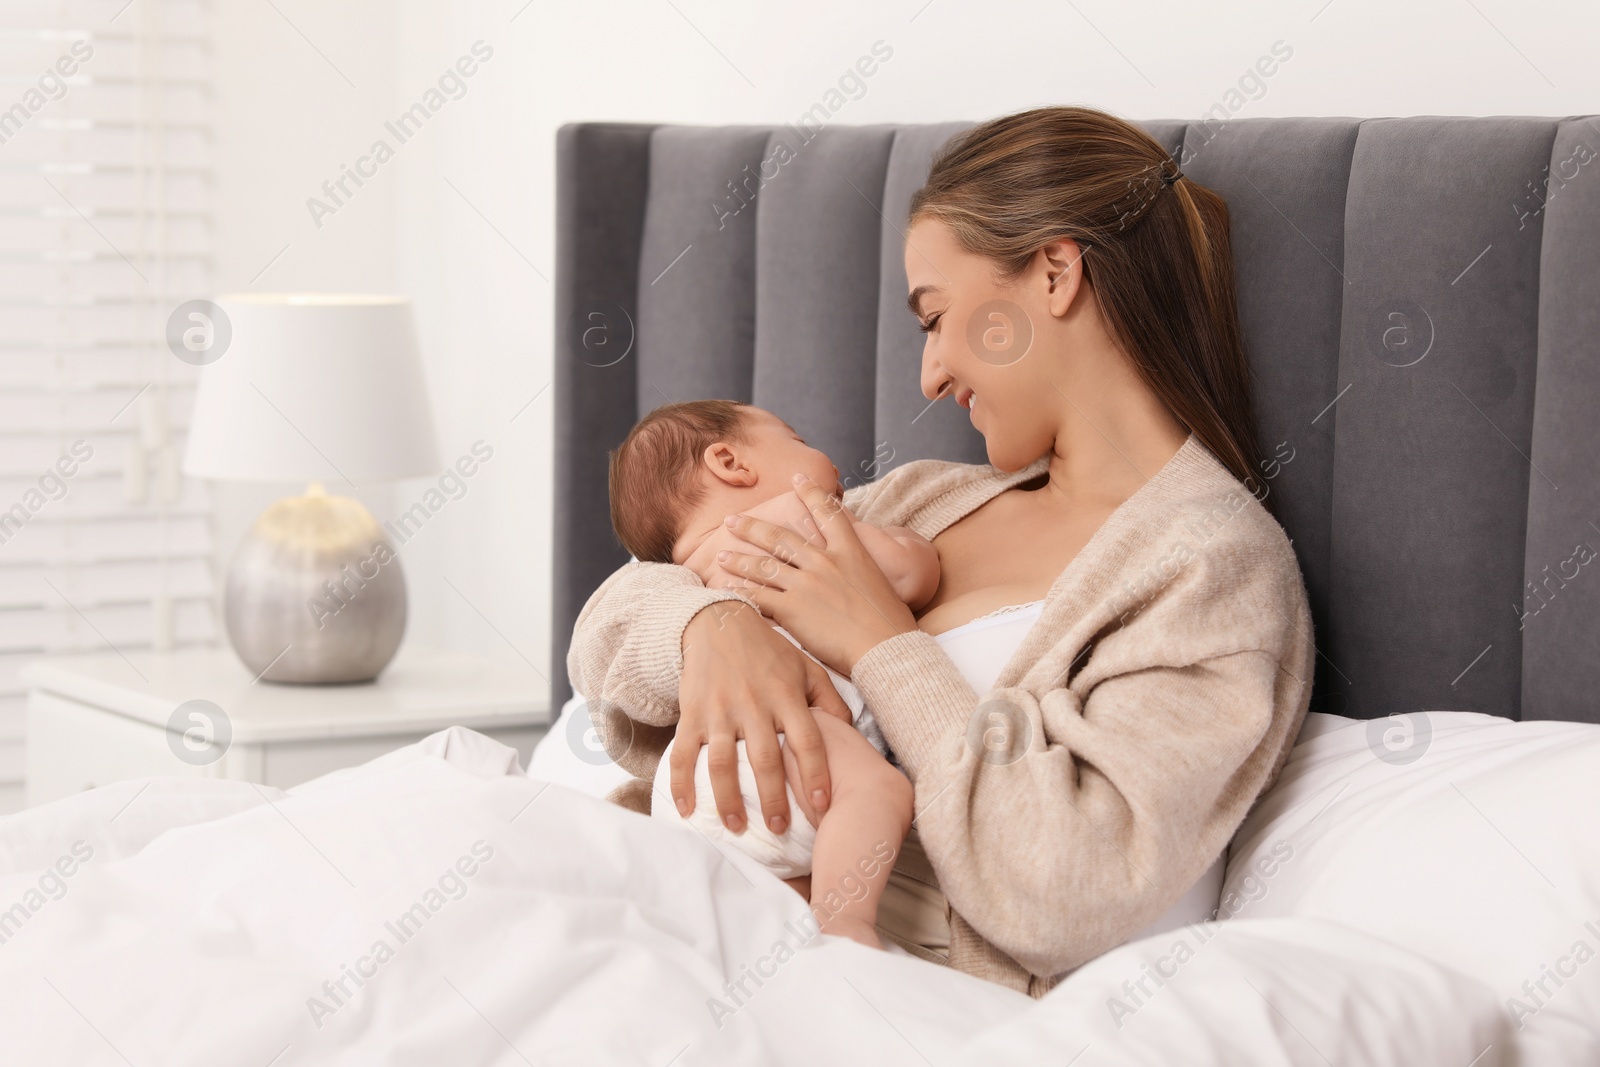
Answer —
73 747
93 720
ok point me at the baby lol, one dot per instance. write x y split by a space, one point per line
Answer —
675 477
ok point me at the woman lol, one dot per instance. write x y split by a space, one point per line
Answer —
1075 774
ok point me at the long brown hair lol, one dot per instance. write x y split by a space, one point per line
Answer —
1154 246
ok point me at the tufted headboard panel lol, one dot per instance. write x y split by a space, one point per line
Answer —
1420 299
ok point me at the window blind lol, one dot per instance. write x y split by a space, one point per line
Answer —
105 228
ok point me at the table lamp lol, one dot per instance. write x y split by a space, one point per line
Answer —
317 388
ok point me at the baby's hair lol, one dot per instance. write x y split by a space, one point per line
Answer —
655 472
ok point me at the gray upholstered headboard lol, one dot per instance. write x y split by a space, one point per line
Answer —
1420 300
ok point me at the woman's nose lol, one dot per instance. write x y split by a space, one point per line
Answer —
934 379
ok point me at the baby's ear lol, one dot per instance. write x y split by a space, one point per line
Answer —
722 459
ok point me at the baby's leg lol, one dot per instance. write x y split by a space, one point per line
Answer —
859 836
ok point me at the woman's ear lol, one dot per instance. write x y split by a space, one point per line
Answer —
727 466
1063 270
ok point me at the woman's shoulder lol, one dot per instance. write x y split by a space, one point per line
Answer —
901 495
1216 557
1196 499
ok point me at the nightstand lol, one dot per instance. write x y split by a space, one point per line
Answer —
103 718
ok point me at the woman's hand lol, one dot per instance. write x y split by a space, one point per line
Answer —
832 597
741 678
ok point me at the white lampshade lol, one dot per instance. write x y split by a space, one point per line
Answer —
321 387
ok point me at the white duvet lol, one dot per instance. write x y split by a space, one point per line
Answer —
436 906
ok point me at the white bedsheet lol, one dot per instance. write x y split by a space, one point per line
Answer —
212 923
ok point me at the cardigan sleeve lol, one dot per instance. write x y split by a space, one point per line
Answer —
1062 822
626 646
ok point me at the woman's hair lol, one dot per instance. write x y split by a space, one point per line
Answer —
655 472
1157 254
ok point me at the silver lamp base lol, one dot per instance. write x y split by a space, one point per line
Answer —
315 594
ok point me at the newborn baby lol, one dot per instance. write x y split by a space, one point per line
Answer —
676 476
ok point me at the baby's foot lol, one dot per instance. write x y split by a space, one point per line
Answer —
853 928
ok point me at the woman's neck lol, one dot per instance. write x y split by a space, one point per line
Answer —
1107 445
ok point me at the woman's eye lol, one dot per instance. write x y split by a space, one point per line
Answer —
927 327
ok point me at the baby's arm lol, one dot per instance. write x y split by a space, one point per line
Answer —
907 559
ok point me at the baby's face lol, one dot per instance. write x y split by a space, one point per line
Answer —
777 453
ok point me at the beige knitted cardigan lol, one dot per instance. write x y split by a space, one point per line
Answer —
1155 698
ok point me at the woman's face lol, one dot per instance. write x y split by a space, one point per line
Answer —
989 345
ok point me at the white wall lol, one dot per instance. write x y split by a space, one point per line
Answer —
477 258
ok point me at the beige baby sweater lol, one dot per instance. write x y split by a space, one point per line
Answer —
1155 698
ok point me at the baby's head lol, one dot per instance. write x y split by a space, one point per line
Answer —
705 458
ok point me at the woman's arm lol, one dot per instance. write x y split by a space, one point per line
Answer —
737 678
1061 825
656 653
627 644
1063 814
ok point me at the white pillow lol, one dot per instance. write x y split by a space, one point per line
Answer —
570 754
1273 991
1468 838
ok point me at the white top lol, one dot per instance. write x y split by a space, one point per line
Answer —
980 650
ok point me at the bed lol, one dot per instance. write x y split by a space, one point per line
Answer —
1419 885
